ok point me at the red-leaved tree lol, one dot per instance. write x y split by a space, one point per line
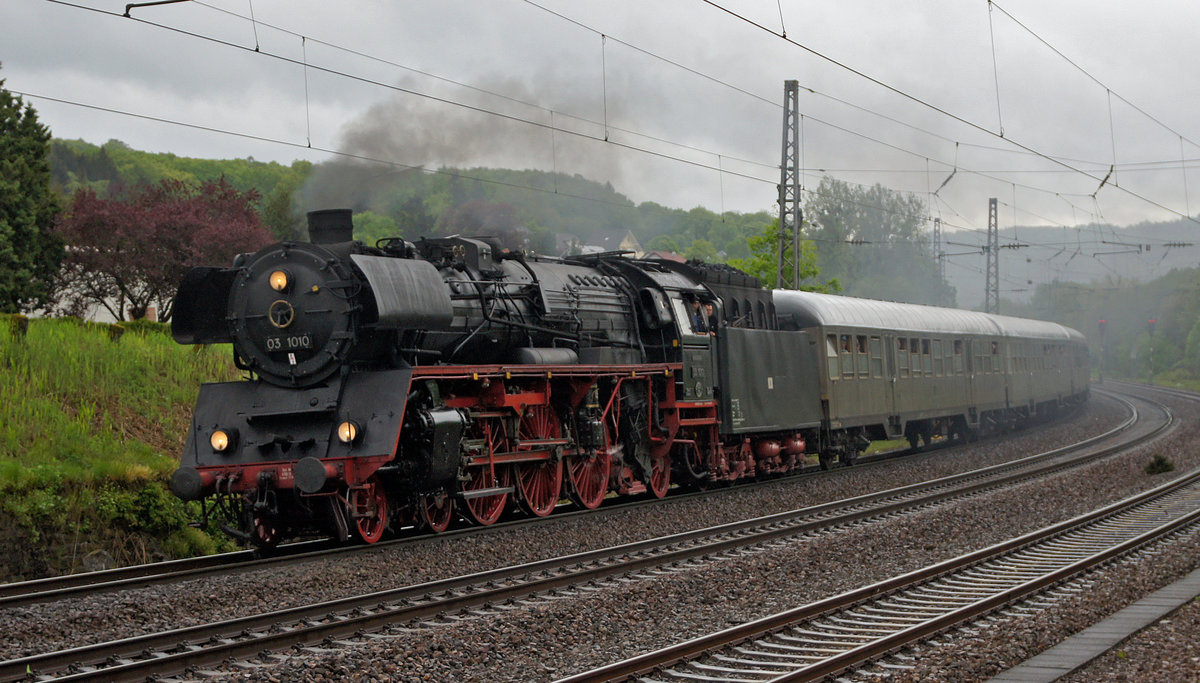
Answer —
129 251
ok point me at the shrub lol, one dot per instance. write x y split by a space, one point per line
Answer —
1159 464
189 542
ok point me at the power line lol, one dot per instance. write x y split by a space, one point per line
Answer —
317 148
717 168
1085 72
606 37
409 91
933 107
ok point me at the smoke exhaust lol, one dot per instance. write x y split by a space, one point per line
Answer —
330 226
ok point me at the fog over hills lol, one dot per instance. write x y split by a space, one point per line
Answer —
1095 253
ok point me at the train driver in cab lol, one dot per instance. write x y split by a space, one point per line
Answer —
699 319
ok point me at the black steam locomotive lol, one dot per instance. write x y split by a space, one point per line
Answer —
419 382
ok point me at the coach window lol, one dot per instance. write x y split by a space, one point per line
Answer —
958 357
937 358
876 358
914 351
831 355
995 356
860 355
847 356
902 356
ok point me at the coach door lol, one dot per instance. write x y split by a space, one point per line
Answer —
891 375
972 394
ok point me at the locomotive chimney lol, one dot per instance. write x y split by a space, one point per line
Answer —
330 226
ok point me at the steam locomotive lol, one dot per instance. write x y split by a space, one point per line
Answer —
419 383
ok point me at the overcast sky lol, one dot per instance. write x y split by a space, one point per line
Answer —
689 96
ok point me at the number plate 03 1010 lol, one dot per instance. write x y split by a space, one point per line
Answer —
289 343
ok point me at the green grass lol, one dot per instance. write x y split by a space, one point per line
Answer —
880 446
92 420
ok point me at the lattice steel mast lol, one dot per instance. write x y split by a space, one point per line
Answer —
937 248
991 296
787 272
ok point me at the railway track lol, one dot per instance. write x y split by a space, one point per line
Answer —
845 631
178 650
23 593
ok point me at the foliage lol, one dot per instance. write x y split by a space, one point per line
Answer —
29 253
279 211
80 406
1124 348
763 262
130 252
369 227
871 240
1159 464
77 164
89 430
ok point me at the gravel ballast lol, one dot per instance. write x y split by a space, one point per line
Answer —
549 639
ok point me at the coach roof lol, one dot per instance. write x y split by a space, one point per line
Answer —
810 309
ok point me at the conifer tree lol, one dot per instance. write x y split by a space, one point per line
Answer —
29 252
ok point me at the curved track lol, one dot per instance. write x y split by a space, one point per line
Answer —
830 636
174 651
75 585
847 631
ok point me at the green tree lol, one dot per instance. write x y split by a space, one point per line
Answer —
29 253
1191 354
279 212
701 249
663 243
370 227
763 262
871 239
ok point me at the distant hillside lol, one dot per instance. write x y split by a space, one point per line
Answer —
415 202
75 164
1083 254
542 211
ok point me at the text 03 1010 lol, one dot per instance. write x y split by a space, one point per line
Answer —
302 341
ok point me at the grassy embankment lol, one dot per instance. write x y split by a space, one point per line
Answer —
92 420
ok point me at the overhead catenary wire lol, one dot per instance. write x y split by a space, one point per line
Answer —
719 167
929 105
605 37
316 148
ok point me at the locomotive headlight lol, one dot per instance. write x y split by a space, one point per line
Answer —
223 440
280 280
348 431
